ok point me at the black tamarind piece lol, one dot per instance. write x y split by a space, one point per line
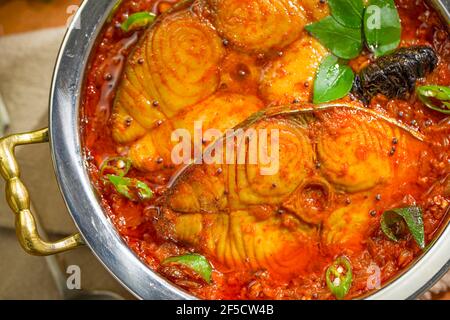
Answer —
395 75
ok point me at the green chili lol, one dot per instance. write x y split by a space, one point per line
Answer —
435 97
138 21
198 263
391 223
115 165
339 277
131 188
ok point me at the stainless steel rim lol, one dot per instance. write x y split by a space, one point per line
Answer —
84 205
80 197
443 7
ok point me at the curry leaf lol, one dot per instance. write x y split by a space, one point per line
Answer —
382 27
412 216
347 12
435 97
334 80
196 262
342 41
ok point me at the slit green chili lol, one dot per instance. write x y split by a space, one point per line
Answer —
138 21
435 97
339 277
131 188
115 165
198 263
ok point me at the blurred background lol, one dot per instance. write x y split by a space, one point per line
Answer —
30 34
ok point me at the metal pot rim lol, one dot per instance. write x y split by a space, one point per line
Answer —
83 202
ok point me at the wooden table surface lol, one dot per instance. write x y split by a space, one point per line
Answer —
27 15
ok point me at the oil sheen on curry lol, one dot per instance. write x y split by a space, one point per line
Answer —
272 149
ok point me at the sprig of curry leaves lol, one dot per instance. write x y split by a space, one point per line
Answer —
334 79
342 41
349 13
382 28
344 33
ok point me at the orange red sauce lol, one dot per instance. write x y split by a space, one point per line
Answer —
134 221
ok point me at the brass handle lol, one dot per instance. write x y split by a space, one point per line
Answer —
19 200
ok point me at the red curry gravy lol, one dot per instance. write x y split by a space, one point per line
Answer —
134 220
